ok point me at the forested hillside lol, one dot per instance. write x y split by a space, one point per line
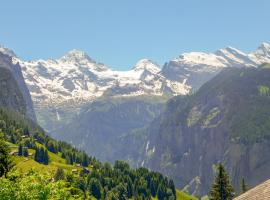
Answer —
66 173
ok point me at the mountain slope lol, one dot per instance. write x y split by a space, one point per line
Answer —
227 121
195 68
104 127
14 93
69 174
10 95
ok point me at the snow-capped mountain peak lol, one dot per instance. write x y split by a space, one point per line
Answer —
262 54
199 58
230 50
146 64
263 50
234 57
76 56
7 51
265 45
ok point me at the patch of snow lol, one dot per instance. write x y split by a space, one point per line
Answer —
147 146
58 116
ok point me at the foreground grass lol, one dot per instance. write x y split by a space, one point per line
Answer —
184 196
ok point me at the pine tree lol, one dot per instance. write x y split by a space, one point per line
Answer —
129 187
25 152
172 187
85 162
37 157
46 158
122 191
59 175
82 184
222 188
154 186
6 162
41 155
95 188
20 150
12 139
244 186
161 192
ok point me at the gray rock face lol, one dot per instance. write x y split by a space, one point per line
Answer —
108 128
13 84
226 121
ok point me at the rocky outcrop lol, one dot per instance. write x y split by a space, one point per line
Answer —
14 92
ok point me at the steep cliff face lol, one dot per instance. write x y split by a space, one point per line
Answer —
14 93
227 121
10 94
106 127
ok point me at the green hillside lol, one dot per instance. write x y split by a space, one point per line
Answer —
35 170
69 173
184 196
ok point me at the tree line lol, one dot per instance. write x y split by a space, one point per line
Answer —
16 129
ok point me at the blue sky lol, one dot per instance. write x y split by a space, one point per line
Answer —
120 32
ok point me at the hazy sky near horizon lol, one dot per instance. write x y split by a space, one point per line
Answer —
120 32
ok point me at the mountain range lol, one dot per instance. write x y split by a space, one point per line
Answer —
78 78
61 86
124 115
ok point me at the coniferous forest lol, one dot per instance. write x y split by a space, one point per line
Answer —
92 179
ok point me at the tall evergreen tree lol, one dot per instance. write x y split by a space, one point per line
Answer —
244 186
82 184
129 187
20 150
161 192
222 188
46 158
172 187
41 155
59 174
95 188
6 162
85 162
25 152
36 157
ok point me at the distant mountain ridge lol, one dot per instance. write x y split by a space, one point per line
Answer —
76 77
